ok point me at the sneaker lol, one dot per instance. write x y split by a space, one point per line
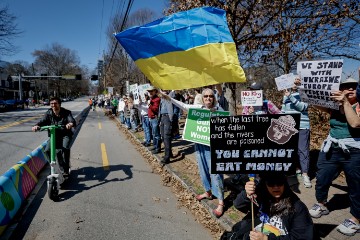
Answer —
318 210
348 227
306 181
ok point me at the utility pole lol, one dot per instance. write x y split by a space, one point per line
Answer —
20 87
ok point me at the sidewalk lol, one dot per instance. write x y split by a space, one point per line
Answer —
184 168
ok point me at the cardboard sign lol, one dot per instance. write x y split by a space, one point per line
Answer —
135 92
197 125
318 80
254 143
285 81
143 90
252 98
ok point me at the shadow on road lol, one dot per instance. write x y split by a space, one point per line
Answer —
78 178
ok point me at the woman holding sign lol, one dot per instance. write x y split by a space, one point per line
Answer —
293 104
280 214
341 151
212 183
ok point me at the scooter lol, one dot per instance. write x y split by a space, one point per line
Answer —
56 177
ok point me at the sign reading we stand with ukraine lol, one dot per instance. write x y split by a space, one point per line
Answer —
197 125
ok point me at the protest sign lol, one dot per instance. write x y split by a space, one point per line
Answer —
285 81
252 98
142 90
254 143
110 90
197 125
135 92
318 80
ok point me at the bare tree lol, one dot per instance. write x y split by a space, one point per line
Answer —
121 67
282 32
8 31
56 60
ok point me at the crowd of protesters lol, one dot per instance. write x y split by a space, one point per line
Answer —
157 113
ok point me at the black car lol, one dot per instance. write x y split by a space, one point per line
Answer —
2 106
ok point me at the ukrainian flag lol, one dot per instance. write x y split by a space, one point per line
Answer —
185 50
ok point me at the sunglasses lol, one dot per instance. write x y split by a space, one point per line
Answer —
208 96
273 184
348 86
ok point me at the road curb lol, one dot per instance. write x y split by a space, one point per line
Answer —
20 183
222 221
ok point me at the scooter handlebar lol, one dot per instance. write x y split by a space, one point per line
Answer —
43 128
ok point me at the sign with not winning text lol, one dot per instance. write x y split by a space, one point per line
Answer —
197 125
254 143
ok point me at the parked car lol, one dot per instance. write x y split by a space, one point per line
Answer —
13 104
2 106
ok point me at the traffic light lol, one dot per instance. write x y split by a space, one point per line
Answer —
94 77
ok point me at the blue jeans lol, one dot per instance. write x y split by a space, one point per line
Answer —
213 182
330 165
128 123
303 149
156 133
122 117
146 128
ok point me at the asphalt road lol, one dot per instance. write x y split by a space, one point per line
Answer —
16 138
112 194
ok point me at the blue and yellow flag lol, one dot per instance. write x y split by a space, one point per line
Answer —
185 50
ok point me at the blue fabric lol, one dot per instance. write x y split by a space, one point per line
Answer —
358 93
146 128
293 104
122 117
330 165
303 149
213 182
127 122
177 32
166 107
156 133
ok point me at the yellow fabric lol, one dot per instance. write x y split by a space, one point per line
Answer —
201 66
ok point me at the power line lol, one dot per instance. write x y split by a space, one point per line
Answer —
121 28
102 17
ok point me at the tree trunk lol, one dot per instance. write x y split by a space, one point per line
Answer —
230 90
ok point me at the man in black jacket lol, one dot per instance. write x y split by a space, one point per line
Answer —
57 115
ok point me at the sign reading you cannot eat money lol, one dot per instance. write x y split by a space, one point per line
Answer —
254 143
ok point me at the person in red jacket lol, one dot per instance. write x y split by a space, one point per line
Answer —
153 114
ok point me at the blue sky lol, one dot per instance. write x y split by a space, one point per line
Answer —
78 25
75 24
